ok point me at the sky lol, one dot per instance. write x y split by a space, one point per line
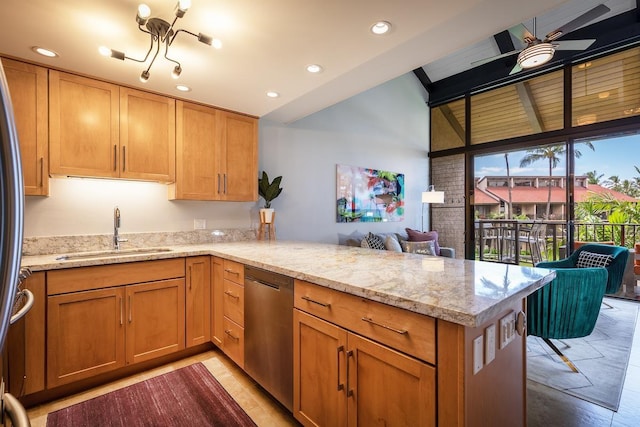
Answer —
611 156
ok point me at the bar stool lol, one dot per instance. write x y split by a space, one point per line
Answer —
267 230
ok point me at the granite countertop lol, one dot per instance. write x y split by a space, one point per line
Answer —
460 291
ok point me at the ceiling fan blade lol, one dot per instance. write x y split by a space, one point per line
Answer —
493 58
573 44
515 69
578 22
521 33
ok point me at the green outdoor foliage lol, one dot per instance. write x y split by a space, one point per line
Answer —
269 190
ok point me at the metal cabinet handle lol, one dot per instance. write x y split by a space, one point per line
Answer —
231 295
349 390
218 183
228 270
121 313
41 172
323 304
373 322
124 158
130 310
228 332
340 350
115 158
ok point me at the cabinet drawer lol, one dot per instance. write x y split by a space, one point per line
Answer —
233 341
234 271
233 302
105 276
403 330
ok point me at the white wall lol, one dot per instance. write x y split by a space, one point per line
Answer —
383 128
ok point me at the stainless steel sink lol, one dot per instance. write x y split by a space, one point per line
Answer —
111 253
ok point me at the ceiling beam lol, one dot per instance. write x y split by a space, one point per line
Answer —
424 79
530 109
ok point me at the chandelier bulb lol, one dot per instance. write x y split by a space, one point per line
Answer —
176 71
182 7
144 76
144 12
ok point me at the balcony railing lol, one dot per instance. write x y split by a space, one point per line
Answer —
529 242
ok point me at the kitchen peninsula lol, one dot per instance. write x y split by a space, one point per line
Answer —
410 321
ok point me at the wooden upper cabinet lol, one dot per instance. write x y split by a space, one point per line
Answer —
196 153
83 126
147 136
238 156
217 155
30 99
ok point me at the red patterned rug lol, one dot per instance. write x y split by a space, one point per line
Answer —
187 397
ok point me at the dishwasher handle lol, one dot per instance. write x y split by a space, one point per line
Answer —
252 281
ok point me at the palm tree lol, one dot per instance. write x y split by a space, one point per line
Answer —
506 159
593 177
552 153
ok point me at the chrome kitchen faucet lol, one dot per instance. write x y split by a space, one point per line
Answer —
116 225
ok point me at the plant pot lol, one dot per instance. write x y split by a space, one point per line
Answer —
266 215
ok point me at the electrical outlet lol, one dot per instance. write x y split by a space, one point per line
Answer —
507 329
489 344
199 224
477 354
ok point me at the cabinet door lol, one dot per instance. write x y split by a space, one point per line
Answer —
388 388
217 300
155 319
233 341
319 372
238 156
198 296
147 136
233 304
75 352
196 154
29 88
26 343
83 126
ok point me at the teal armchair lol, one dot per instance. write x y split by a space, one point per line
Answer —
616 269
568 307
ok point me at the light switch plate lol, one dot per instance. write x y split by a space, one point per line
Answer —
489 344
478 351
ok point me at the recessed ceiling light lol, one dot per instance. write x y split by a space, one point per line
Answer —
183 88
380 27
272 94
314 68
44 52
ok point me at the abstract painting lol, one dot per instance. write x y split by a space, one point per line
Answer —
369 195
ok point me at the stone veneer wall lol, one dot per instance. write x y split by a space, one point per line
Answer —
98 242
447 174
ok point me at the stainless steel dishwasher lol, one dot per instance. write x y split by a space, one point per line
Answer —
268 324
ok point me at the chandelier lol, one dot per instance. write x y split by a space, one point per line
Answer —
160 32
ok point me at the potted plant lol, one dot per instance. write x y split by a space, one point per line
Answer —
268 191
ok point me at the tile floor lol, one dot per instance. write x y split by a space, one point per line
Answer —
545 406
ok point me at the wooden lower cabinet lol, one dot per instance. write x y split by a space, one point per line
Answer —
198 300
26 343
155 319
343 379
217 295
85 335
97 331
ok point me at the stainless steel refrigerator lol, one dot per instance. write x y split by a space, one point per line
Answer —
11 230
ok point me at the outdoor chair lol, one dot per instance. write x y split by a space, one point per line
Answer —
568 307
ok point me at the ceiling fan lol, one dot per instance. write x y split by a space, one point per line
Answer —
538 52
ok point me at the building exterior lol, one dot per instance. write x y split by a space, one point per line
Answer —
529 195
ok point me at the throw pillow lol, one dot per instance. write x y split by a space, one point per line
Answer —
588 259
392 244
372 241
352 239
423 248
423 236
